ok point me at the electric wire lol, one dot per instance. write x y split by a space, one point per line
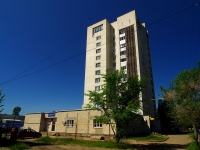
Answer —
89 50
172 15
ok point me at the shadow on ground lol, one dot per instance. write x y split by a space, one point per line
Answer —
160 146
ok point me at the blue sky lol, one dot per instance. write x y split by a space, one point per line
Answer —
46 32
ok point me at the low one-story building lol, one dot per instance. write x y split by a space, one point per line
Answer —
80 122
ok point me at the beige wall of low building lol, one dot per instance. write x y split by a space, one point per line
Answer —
82 123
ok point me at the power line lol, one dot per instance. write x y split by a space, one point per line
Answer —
42 60
172 15
82 52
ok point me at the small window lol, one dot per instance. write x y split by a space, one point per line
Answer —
113 37
114 57
98 37
98 57
96 124
114 51
123 67
70 123
114 44
122 53
97 29
98 64
114 64
122 45
98 51
122 38
97 72
121 31
123 59
97 88
98 44
97 80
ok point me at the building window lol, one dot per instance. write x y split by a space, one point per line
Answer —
123 59
96 124
114 51
122 31
122 45
123 67
97 29
122 53
114 44
98 37
122 38
98 57
114 57
98 64
70 123
113 37
97 80
114 64
98 44
97 88
98 51
97 72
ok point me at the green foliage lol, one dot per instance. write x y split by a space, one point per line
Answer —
1 99
183 96
86 143
16 111
193 146
118 100
19 146
150 137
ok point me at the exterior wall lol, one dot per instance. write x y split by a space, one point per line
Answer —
138 61
33 121
90 64
82 123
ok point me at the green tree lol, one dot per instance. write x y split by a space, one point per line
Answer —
118 100
184 98
16 111
1 100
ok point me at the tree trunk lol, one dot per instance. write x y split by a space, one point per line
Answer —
196 133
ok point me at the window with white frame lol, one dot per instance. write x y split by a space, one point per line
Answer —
98 37
98 51
122 38
122 45
97 88
97 80
98 64
123 59
98 44
98 57
122 53
96 124
97 72
70 123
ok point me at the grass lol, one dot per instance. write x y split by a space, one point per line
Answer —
13 145
70 141
149 137
19 146
192 145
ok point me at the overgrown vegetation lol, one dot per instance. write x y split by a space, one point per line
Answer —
70 141
118 100
183 97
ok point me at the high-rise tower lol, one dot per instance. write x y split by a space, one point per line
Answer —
121 44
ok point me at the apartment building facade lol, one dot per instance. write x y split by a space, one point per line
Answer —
123 44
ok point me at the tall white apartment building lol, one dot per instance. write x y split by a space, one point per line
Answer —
121 44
